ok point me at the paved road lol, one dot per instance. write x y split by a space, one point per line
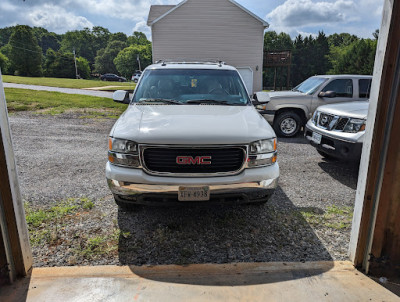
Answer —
104 94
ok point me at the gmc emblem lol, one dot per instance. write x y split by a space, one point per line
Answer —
189 160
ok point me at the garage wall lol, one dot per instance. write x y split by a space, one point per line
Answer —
211 29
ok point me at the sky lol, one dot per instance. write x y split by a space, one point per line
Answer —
306 17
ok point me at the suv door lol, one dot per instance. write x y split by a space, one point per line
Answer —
343 89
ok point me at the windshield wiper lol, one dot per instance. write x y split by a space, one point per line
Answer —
203 101
168 101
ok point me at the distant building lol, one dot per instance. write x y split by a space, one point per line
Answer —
210 29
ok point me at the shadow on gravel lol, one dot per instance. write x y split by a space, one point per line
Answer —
275 232
344 172
299 139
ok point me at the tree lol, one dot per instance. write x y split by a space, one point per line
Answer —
101 36
126 61
83 67
59 65
138 38
118 37
6 51
80 40
62 65
341 40
5 34
4 64
25 55
375 34
47 39
275 42
357 58
104 61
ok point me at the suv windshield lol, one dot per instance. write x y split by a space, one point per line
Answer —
310 85
192 86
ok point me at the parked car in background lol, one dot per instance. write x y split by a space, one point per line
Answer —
338 130
288 111
112 77
191 134
136 76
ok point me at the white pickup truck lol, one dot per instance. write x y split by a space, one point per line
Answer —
190 134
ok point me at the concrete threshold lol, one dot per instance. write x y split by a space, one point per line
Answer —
291 281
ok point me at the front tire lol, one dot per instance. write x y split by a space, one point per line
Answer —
287 124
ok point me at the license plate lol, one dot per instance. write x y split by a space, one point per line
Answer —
194 193
316 138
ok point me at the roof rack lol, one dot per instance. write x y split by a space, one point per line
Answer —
164 62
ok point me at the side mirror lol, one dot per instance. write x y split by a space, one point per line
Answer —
327 94
261 97
121 96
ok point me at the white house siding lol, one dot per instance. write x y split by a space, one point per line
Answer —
211 29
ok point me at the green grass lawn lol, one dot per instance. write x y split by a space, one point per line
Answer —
46 102
65 83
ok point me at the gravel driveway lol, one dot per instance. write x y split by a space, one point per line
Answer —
61 161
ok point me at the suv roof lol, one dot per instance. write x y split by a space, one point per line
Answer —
191 65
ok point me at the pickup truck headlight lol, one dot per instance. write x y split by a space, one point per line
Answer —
122 152
262 153
354 125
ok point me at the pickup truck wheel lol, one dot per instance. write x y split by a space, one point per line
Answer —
287 124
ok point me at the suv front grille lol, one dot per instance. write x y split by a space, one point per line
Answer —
341 123
330 122
226 160
325 120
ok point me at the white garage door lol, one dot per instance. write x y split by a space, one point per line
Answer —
247 76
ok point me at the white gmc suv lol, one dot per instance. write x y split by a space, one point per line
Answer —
190 134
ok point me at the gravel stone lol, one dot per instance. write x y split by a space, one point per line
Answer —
61 157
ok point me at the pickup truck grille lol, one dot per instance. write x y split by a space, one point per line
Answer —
163 160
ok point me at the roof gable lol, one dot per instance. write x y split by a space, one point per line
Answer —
157 12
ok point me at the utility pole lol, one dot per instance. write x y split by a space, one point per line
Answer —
138 59
76 68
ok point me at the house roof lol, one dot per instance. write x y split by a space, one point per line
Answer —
157 12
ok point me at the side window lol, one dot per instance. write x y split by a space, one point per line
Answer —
342 87
364 87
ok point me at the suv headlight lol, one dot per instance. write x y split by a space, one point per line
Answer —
354 125
315 117
122 152
262 153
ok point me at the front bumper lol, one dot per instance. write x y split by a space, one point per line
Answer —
341 148
269 115
135 186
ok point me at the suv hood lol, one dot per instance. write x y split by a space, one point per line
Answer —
349 109
191 124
